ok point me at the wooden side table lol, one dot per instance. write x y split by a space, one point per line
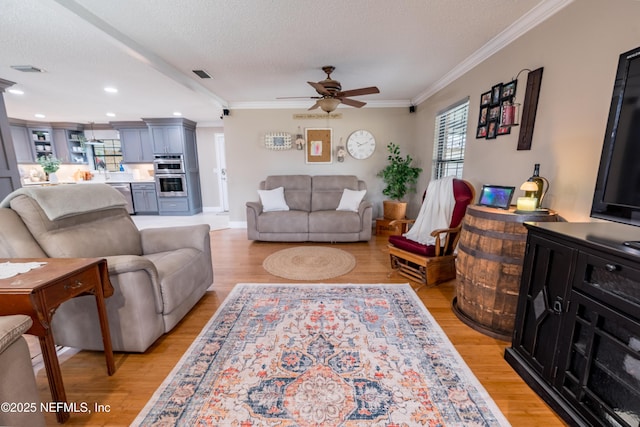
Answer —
491 251
383 228
39 292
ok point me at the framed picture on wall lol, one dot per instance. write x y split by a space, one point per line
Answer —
484 112
492 129
494 113
508 90
485 99
482 132
496 92
318 147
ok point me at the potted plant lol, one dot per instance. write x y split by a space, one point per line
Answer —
50 166
400 178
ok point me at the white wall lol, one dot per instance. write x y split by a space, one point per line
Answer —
579 49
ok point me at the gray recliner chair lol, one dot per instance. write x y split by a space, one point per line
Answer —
158 274
17 381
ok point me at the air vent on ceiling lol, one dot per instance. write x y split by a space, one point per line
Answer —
202 74
27 68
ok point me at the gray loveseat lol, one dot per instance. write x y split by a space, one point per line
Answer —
312 214
158 274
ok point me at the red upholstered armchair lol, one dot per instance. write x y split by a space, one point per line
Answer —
432 264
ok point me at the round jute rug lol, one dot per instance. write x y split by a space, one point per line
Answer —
309 263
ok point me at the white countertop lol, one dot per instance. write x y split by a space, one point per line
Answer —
110 181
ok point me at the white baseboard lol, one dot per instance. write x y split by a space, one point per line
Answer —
212 209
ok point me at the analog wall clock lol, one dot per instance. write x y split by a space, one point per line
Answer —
361 144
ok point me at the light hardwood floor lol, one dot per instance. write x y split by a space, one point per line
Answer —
236 260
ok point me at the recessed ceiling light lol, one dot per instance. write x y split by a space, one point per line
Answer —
177 113
15 91
110 89
111 114
40 116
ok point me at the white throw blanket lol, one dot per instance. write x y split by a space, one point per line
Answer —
435 213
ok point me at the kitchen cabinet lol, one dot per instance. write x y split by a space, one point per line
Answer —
145 198
41 142
136 146
577 335
174 205
177 136
22 144
68 143
167 139
135 141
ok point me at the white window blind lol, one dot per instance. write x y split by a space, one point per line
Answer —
449 141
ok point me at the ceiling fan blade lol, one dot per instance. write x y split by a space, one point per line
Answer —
319 88
357 92
352 102
299 97
314 106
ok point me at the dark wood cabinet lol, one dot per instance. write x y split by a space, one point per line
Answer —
577 335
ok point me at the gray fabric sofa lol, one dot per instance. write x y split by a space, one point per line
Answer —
312 201
158 274
17 380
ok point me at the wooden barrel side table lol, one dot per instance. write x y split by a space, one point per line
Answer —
489 266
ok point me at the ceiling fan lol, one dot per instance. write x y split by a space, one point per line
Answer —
332 95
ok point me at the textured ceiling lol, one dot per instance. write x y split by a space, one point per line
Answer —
255 50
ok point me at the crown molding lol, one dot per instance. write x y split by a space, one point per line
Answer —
527 22
272 105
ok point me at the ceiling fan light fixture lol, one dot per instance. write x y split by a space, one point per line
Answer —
328 104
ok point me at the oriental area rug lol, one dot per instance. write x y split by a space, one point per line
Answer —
326 355
309 263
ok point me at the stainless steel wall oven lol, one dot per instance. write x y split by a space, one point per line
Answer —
163 164
171 185
170 176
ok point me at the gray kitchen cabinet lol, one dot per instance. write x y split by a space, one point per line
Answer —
136 146
177 136
167 139
145 198
67 140
42 142
22 144
174 205
60 142
135 141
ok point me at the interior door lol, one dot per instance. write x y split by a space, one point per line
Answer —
221 172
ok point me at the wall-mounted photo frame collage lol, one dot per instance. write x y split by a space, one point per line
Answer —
491 107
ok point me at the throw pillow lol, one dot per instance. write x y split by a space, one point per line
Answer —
273 200
350 200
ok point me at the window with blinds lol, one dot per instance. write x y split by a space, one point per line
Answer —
449 141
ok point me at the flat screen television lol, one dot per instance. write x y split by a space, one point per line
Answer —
617 193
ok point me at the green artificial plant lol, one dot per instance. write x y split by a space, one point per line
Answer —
399 176
49 163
